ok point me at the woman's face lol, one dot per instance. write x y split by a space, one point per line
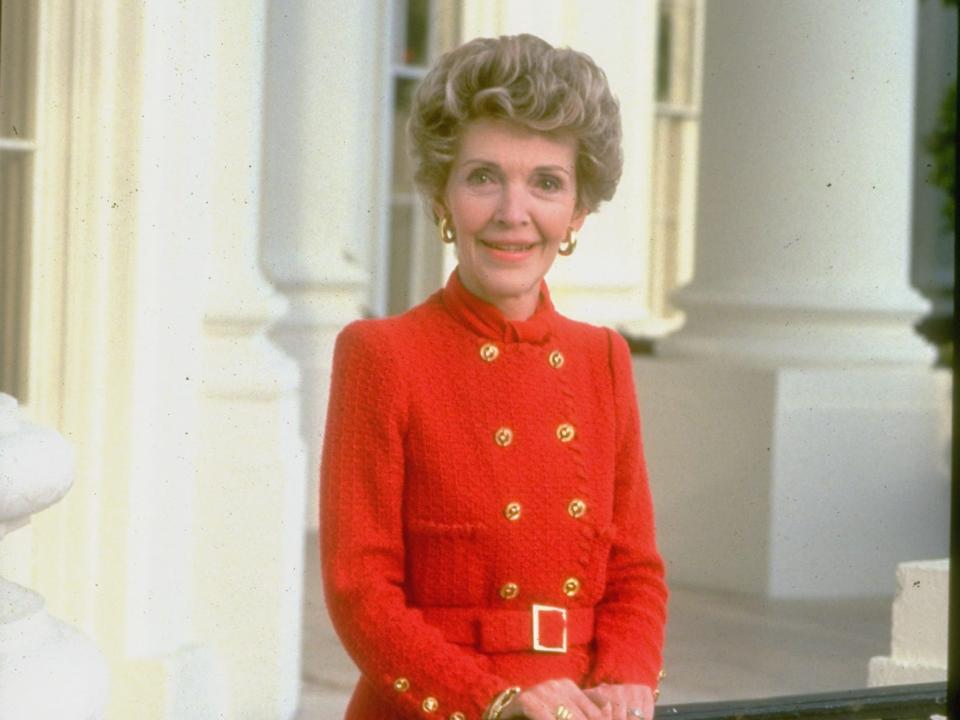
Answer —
511 198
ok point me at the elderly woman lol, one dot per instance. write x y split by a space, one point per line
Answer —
487 531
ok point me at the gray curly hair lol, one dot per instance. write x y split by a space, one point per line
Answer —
525 80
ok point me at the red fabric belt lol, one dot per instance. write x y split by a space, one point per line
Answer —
492 630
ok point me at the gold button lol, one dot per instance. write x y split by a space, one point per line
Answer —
430 704
577 508
571 586
512 511
565 432
401 685
503 436
489 352
556 359
662 674
457 716
509 591
656 694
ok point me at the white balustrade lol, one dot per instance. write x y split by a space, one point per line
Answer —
48 669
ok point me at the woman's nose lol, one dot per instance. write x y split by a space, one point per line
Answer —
513 208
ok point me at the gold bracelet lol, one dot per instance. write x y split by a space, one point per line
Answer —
499 703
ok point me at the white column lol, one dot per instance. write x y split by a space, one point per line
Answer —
323 118
48 669
250 491
320 211
180 547
605 280
805 206
116 369
793 426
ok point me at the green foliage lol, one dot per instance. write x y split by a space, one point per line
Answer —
941 144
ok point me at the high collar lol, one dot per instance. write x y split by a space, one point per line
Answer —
485 319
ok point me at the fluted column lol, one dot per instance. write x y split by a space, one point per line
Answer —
180 547
794 424
48 669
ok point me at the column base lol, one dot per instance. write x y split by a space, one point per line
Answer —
918 647
308 334
797 481
769 332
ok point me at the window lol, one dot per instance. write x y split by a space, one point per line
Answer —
18 67
676 128
412 255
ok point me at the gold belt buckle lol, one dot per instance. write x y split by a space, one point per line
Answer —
537 645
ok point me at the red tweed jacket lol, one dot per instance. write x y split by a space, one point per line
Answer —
485 515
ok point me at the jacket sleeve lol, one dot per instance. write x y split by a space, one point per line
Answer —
631 615
416 671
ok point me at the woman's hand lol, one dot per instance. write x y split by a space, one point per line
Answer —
540 702
622 699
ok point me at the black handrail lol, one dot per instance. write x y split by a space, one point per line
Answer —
893 702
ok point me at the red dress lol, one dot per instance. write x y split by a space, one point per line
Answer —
480 477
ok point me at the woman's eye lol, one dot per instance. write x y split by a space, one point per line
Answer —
549 183
479 177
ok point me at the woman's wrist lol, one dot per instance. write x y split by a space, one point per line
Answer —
499 703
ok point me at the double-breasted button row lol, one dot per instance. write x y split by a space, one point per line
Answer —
510 590
576 509
489 352
503 436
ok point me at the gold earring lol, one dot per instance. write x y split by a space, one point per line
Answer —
569 243
446 232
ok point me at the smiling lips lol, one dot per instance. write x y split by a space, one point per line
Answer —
509 247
